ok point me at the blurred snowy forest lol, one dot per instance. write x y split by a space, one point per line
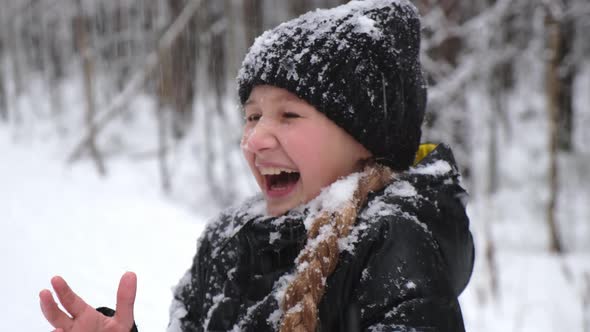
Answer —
509 90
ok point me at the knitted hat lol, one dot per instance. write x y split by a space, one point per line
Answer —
358 64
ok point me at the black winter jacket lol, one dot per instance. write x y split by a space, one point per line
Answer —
401 269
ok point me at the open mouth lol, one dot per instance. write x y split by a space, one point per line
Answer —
280 182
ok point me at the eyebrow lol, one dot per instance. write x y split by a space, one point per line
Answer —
283 99
249 102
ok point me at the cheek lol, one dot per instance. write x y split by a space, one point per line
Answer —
317 145
246 152
311 152
249 156
323 156
302 147
246 133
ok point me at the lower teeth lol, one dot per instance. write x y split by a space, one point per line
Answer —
278 187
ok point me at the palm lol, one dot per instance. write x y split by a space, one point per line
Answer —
84 318
101 324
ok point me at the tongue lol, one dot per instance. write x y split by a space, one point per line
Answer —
283 180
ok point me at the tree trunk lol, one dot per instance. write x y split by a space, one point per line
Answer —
81 36
553 91
14 44
3 98
3 76
235 43
216 57
567 72
163 148
491 189
211 157
177 74
253 18
52 67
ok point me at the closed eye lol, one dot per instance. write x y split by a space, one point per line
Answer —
291 115
252 117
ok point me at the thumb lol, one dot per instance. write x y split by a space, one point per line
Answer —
126 299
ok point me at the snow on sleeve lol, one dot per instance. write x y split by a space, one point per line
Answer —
274 319
256 206
273 237
381 207
348 243
366 25
437 168
177 308
177 312
378 208
228 223
401 188
333 197
217 299
281 285
410 285
365 275
241 325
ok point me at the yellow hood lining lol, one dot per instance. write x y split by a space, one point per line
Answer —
423 151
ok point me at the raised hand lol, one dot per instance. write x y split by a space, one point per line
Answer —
84 318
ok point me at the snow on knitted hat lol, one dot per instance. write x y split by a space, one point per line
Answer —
358 64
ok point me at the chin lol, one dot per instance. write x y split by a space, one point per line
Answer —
279 210
275 212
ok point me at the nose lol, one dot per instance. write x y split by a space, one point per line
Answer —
259 137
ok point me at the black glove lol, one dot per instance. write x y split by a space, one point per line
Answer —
110 313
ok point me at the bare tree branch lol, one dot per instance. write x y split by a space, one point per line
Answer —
88 73
114 109
553 90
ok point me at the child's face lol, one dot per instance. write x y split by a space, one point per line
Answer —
292 149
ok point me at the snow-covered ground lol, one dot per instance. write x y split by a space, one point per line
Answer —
68 221
536 291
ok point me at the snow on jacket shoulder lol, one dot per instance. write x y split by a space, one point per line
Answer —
402 267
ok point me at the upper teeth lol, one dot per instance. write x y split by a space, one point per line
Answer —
275 170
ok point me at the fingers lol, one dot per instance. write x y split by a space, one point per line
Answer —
52 313
126 298
69 300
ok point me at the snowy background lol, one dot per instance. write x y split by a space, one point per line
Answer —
63 217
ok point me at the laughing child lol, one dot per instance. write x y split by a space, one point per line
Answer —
357 228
